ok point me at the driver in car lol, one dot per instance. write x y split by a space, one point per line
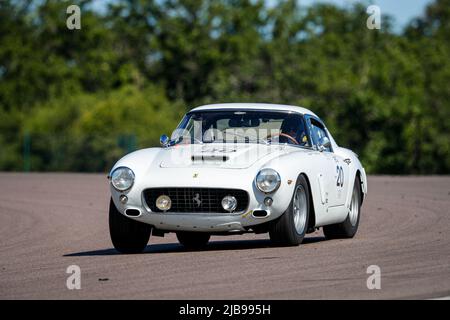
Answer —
292 131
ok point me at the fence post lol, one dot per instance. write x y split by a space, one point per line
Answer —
26 152
132 145
127 142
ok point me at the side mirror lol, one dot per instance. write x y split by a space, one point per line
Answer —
325 143
164 140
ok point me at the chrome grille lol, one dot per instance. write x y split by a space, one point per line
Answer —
196 200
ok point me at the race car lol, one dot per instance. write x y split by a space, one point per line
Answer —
233 169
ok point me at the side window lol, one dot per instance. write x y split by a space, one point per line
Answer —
318 133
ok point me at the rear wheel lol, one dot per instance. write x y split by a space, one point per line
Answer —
290 228
193 240
127 235
348 228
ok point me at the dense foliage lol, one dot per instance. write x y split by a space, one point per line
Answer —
76 100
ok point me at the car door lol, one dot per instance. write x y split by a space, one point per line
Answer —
335 172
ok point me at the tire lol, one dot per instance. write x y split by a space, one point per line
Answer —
291 227
348 228
193 240
127 235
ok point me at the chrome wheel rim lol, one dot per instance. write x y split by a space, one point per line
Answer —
354 208
300 209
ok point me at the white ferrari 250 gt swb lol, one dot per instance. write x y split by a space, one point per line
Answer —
237 168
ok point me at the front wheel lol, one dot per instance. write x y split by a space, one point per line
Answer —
348 228
127 235
193 240
290 228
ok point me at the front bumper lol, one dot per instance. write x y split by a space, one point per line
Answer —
204 222
201 222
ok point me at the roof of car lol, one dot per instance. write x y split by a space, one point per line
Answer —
255 106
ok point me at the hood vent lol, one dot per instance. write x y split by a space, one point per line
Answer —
214 158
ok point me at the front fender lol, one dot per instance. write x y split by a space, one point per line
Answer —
135 162
290 166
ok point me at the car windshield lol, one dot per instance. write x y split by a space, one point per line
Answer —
250 126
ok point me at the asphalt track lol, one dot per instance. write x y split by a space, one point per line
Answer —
51 221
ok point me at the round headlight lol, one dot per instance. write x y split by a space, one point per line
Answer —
122 178
268 180
229 203
163 202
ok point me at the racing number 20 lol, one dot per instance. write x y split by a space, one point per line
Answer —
340 176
